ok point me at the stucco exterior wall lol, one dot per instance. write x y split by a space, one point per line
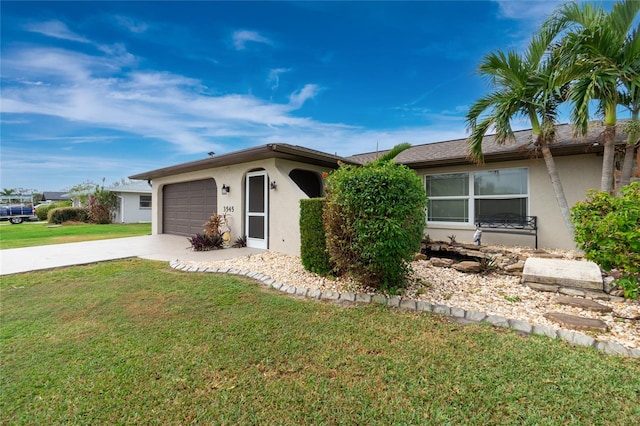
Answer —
284 209
578 174
130 210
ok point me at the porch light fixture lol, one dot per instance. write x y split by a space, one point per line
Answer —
273 185
225 189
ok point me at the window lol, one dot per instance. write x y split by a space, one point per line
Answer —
448 198
458 197
145 201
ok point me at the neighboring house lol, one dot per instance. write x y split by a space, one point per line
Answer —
259 188
134 202
51 196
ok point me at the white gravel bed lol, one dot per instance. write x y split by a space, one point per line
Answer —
493 294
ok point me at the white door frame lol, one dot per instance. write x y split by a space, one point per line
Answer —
256 242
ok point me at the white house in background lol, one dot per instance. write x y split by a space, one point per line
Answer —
134 202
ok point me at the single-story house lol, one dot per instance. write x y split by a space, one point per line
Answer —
51 196
259 189
134 202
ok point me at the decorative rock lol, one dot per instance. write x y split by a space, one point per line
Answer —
331 295
543 330
566 335
348 297
521 326
566 273
420 256
408 304
277 285
292 290
497 320
424 306
544 287
394 302
583 303
596 295
577 323
442 309
314 293
613 348
363 298
379 299
441 262
514 267
301 291
475 316
634 353
580 339
571 291
458 312
467 266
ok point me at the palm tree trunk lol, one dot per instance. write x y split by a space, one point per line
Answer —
557 186
609 133
632 140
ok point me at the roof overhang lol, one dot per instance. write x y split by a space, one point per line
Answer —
282 151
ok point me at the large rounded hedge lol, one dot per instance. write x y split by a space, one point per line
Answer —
374 220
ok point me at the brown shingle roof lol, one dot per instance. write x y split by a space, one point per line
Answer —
456 151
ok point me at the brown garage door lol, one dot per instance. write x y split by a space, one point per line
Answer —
187 206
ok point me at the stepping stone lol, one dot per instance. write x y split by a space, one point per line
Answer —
577 323
565 273
587 304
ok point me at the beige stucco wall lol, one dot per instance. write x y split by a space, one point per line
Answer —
578 174
284 209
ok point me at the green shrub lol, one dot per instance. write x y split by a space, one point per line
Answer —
313 248
374 219
68 214
102 206
43 211
607 229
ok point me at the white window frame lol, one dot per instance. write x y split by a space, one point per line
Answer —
471 197
140 202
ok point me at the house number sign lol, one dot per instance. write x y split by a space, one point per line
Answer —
227 209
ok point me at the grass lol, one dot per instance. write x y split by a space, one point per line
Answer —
29 234
135 342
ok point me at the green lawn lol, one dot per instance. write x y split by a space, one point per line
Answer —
133 341
30 234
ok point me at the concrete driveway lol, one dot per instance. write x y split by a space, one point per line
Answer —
154 247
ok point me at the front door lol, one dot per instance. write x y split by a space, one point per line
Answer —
256 220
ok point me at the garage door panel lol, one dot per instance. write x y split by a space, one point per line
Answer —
188 205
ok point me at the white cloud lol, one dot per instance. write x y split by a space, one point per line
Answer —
274 77
131 24
309 91
241 37
55 29
527 10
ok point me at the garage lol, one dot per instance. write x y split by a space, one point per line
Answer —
187 206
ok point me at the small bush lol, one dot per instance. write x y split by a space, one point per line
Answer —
202 242
68 214
607 229
43 211
313 248
374 219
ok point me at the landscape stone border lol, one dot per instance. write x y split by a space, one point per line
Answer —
522 327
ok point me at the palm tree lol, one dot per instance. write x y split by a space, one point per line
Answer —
631 100
603 51
527 86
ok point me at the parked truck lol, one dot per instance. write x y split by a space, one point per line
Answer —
17 208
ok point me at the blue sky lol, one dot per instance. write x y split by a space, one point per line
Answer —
95 90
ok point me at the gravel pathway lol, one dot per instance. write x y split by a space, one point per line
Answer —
493 294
